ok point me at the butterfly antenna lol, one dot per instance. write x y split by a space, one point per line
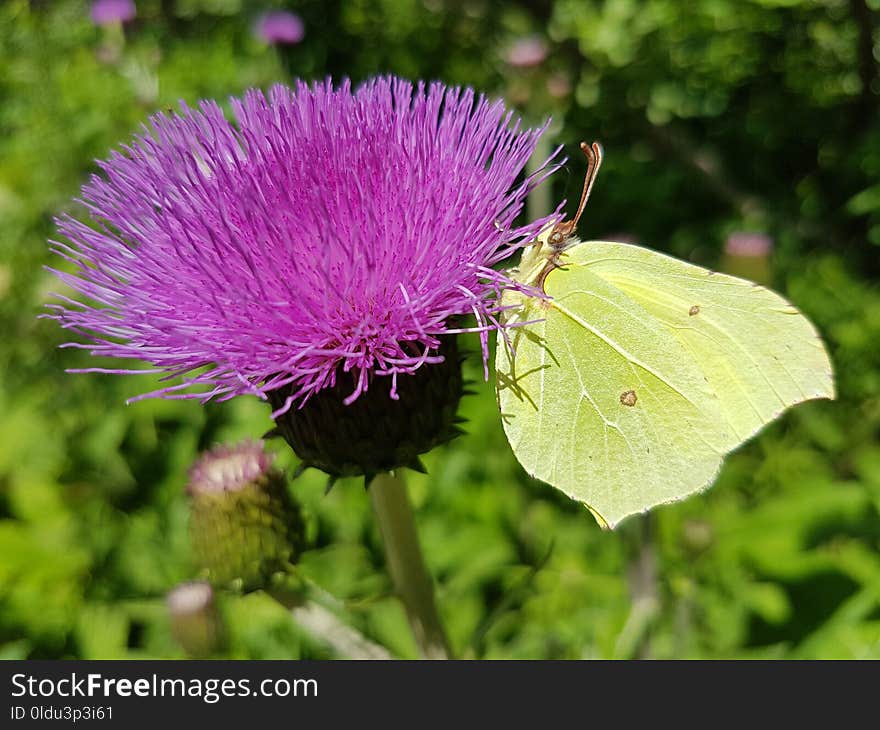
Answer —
564 229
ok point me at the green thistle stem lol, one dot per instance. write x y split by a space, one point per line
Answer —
412 581
305 603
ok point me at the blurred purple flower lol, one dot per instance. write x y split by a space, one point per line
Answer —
526 52
334 230
748 244
280 26
106 12
558 86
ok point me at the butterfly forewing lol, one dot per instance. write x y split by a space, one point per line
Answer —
759 354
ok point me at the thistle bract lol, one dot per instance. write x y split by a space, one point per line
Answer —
375 433
329 239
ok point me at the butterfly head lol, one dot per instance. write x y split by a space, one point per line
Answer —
545 253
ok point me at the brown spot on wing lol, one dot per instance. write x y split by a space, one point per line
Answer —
628 398
694 310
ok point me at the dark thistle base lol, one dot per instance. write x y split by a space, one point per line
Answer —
376 434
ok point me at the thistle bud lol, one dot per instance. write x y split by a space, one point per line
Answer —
195 621
244 525
376 433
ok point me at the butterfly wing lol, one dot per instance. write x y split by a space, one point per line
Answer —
758 352
602 401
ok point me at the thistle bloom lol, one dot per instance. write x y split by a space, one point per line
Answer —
332 237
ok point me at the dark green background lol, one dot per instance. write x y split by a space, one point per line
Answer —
716 116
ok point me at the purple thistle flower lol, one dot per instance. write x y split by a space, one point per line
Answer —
280 26
333 231
106 12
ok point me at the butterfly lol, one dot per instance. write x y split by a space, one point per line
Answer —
625 376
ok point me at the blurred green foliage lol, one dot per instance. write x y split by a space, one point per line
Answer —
717 116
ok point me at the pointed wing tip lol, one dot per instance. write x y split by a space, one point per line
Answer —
604 523
825 389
